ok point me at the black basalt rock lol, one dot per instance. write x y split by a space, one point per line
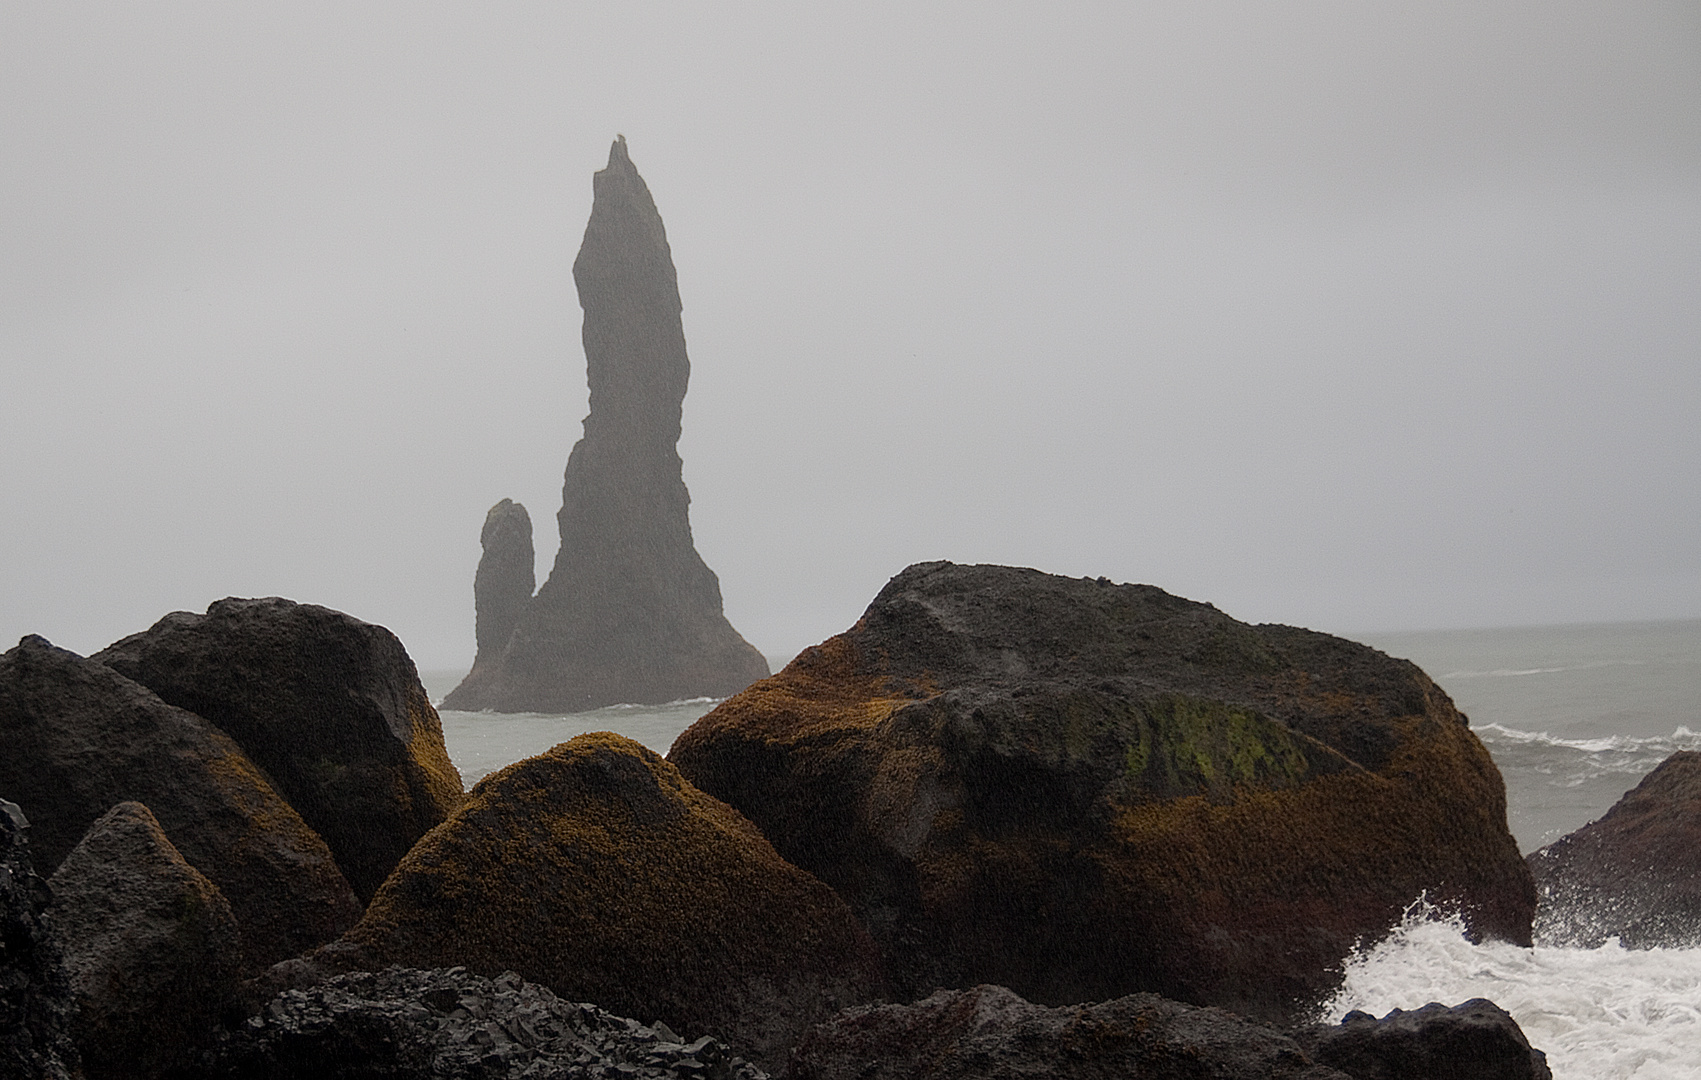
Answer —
1477 1040
505 581
36 1006
79 738
1635 874
331 708
630 612
151 946
448 1024
989 1033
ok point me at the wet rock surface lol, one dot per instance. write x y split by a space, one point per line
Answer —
80 738
1474 1041
151 946
447 1024
1080 790
596 870
988 1032
36 1006
330 707
630 612
1635 874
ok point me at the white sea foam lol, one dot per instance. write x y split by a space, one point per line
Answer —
1599 1014
1575 761
1512 673
482 742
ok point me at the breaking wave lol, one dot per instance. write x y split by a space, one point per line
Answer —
1599 1014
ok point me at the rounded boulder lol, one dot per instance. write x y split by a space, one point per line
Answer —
1082 790
329 706
80 738
596 870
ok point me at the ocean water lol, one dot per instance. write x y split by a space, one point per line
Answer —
1574 716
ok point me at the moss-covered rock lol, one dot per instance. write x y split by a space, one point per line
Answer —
329 706
596 870
151 946
79 738
1082 790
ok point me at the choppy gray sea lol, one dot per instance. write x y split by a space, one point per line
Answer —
1574 716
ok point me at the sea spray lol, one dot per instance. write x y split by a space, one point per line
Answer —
1599 1014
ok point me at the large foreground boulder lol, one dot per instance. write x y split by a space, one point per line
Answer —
1635 874
1081 790
989 1033
329 706
1475 1041
80 738
151 946
597 871
448 1024
630 612
36 1005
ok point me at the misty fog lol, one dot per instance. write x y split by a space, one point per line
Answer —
1342 315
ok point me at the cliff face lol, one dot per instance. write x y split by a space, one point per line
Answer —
630 612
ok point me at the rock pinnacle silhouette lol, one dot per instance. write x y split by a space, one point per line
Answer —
630 612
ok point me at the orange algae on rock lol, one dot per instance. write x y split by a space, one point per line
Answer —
1082 790
597 870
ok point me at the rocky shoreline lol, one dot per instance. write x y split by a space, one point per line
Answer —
981 736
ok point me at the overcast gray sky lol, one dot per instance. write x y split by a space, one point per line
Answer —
1351 315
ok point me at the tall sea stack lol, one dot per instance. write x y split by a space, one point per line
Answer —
630 612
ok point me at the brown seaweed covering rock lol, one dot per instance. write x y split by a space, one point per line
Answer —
37 1008
1081 790
1635 874
630 612
80 738
329 706
989 1033
151 946
597 871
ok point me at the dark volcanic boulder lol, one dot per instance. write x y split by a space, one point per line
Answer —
151 946
1635 874
81 738
447 1024
36 1006
502 588
630 612
329 706
1475 1041
1081 790
989 1033
596 870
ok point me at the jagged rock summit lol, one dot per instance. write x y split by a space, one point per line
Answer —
630 612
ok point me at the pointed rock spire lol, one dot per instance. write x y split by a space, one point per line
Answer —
630 612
